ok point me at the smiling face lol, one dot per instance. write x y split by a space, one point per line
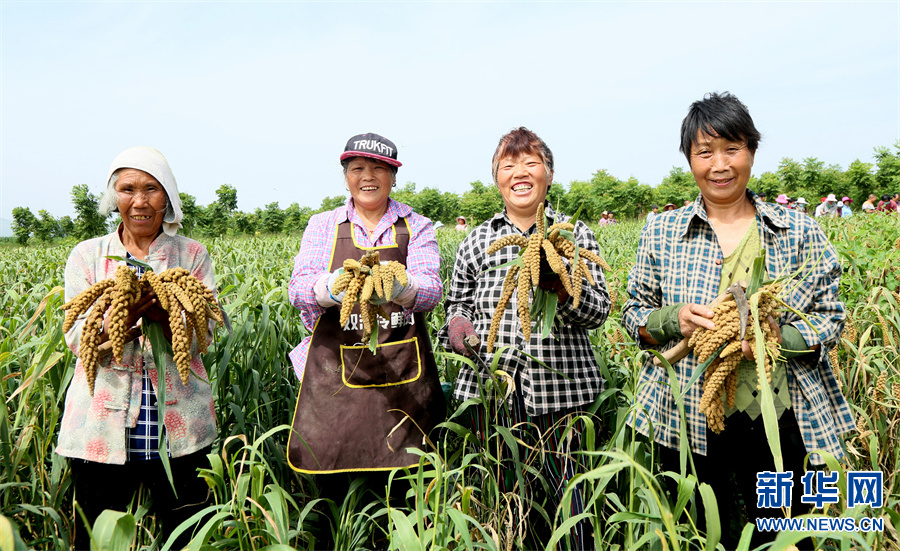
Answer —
369 182
141 200
523 182
721 168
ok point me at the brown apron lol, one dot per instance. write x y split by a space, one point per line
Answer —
357 411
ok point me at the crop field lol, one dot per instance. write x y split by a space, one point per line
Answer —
454 500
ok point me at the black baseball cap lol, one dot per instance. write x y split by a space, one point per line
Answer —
373 146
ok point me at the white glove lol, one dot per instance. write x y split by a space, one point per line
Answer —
395 292
329 284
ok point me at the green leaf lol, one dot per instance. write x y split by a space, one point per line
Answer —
766 398
373 338
713 529
160 346
132 261
113 531
549 313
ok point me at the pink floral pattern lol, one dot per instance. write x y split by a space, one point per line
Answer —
93 428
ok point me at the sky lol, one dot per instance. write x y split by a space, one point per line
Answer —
264 95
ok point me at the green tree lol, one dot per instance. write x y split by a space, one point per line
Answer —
271 220
405 194
581 196
296 218
244 223
480 203
45 226
214 220
331 203
23 224
790 173
190 211
88 220
227 197
66 226
767 183
676 188
860 180
887 176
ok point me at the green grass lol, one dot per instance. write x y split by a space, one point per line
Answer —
455 500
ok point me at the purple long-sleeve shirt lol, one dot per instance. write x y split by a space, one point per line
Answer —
314 260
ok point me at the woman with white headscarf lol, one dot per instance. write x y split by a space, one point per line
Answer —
112 437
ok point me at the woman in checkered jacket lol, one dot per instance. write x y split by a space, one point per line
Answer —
689 256
547 395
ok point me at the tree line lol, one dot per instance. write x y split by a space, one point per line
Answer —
809 178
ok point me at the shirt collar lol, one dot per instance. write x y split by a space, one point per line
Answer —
394 212
157 243
774 216
503 218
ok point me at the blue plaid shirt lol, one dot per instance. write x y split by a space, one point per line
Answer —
679 260
142 441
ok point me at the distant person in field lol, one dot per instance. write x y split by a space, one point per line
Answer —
719 236
828 207
762 197
544 397
868 206
845 207
352 403
668 206
461 224
654 210
800 205
111 437
886 204
611 218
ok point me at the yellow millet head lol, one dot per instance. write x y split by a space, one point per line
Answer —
506 241
509 286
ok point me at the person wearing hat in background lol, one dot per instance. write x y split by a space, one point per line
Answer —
782 199
800 205
352 403
461 223
845 207
668 206
868 205
110 434
828 207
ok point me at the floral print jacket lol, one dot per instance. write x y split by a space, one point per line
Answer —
93 428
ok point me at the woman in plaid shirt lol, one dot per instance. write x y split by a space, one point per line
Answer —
523 172
689 256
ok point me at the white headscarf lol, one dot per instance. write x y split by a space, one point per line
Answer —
153 163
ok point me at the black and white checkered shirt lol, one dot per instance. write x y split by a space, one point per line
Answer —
474 291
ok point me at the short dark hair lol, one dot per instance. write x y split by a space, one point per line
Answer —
885 197
521 141
721 115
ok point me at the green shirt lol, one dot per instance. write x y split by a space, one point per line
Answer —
736 266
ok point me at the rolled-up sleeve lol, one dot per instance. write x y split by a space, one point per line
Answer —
423 261
310 264
815 292
593 307
644 290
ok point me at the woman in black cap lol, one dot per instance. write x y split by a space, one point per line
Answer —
354 407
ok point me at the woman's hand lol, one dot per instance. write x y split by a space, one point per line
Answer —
692 316
146 306
460 328
750 351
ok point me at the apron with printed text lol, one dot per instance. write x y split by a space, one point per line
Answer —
357 411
